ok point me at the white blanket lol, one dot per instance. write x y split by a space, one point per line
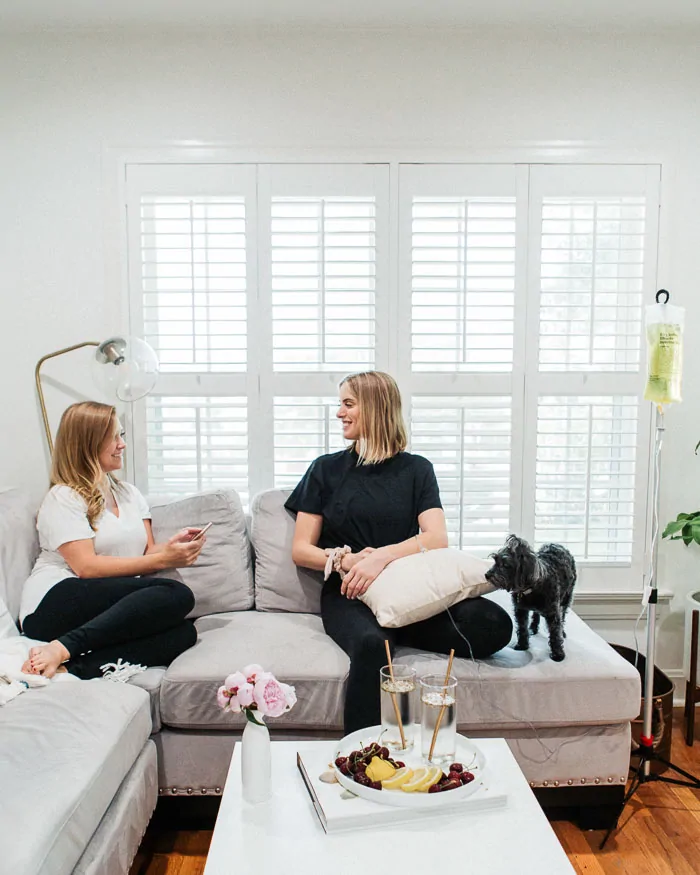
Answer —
13 681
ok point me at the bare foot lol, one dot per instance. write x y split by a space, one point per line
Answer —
47 658
27 667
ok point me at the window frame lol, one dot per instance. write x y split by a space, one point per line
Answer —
260 390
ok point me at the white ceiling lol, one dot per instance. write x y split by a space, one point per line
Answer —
601 15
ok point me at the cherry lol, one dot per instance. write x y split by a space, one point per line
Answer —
399 764
376 785
454 776
360 768
341 761
456 767
467 777
450 785
436 788
383 753
344 769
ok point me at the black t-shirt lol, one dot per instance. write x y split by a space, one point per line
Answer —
366 505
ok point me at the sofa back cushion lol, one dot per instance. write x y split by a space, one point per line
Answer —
19 548
222 578
279 584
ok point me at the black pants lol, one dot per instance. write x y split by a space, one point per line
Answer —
100 620
353 626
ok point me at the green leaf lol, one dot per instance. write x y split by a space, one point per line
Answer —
673 527
687 535
250 715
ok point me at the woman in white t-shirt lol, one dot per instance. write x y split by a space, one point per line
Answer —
92 593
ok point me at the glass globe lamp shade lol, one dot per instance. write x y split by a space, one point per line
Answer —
125 368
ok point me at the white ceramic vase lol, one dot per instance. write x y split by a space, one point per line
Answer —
256 771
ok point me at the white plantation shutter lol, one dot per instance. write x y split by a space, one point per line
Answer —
592 270
327 256
196 444
585 475
463 283
592 245
323 283
468 441
305 428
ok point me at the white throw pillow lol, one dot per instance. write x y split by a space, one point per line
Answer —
419 586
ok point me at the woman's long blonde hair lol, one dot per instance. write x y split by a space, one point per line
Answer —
82 432
380 418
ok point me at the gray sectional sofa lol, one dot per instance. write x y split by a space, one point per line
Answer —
108 749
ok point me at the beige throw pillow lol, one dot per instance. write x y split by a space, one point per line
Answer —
417 587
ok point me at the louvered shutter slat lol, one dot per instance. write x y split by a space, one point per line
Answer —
468 439
591 283
463 281
304 428
323 283
195 444
586 475
193 269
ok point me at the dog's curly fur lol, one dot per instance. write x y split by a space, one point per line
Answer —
541 582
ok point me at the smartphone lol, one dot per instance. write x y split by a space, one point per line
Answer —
201 532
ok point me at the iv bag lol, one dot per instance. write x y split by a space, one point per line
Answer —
664 329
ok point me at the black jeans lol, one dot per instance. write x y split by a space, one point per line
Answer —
100 620
353 626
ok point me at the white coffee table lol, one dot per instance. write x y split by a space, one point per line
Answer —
284 834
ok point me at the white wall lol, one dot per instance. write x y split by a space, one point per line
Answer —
65 102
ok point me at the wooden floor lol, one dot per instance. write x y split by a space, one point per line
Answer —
659 833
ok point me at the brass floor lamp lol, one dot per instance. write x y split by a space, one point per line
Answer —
132 375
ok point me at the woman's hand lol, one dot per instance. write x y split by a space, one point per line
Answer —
364 572
350 560
181 554
184 536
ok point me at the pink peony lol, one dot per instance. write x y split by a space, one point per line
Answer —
251 672
290 695
234 681
227 700
245 694
222 697
270 696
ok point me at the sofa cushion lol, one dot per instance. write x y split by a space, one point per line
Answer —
279 584
594 685
292 646
150 681
65 751
519 689
222 578
19 545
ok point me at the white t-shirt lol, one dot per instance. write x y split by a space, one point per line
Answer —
63 517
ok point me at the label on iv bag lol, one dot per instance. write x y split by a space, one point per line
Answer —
665 347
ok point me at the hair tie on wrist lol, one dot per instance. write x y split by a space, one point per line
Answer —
334 561
421 548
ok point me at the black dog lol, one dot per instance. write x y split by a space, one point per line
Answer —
541 582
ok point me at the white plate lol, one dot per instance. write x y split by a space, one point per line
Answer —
466 752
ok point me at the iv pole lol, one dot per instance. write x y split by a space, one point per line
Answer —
646 753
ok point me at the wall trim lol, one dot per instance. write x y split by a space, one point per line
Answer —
613 605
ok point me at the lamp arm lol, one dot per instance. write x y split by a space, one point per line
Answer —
40 393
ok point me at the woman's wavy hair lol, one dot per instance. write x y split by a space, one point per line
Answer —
380 418
82 432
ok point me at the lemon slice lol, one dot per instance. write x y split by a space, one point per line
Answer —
433 776
399 779
380 770
416 780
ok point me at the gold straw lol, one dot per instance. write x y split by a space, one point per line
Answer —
442 710
393 696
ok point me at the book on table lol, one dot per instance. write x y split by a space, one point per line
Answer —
338 810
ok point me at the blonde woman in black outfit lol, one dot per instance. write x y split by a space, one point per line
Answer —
383 503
